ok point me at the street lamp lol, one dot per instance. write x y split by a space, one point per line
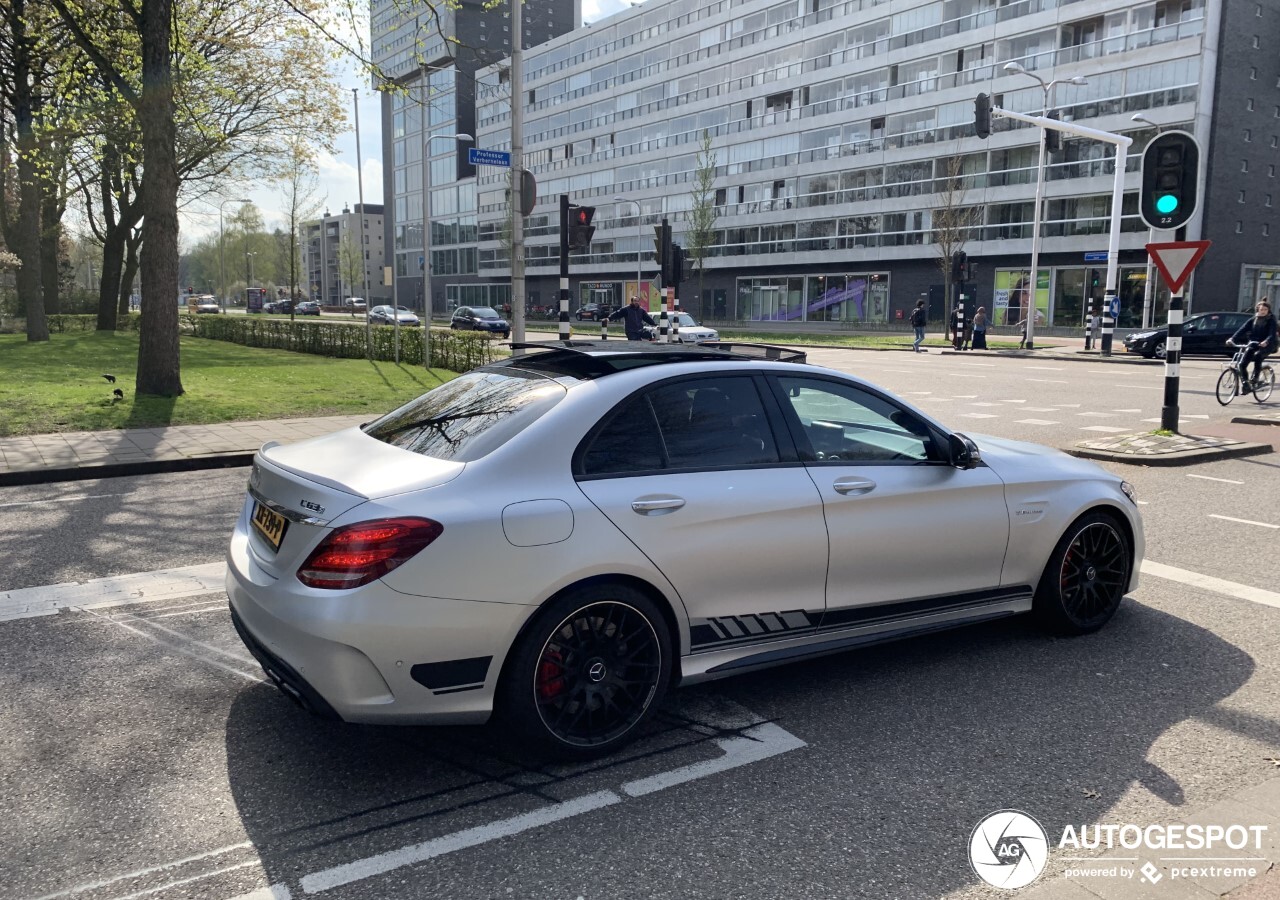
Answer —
639 239
248 264
1048 88
222 253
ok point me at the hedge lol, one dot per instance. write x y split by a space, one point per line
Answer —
457 351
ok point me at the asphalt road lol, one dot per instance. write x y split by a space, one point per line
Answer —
141 754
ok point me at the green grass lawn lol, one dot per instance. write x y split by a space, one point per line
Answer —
852 340
58 385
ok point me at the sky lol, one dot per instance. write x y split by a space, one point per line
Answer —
338 185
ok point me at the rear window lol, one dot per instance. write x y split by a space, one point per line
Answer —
469 417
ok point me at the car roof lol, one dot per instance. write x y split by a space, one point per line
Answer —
595 359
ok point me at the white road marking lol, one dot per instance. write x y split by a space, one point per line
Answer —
274 892
1242 521
1036 422
1005 400
1127 410
1209 583
983 404
978 416
916 393
101 593
1067 405
218 607
1039 409
983 365
459 840
964 375
1046 381
965 397
1106 429
756 744
1211 478
181 881
1045 368
129 876
178 648
1098 415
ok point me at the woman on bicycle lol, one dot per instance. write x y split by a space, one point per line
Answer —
1261 328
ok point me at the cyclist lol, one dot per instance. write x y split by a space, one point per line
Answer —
1261 328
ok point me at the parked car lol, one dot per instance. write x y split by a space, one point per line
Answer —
269 306
1203 335
308 308
593 311
480 318
386 315
208 305
690 332
614 477
356 303
282 306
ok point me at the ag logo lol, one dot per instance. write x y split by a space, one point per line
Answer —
1008 849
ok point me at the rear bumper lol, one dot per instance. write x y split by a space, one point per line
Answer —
352 655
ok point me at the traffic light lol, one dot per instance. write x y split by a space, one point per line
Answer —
1052 137
662 249
958 261
580 227
677 265
982 116
1170 180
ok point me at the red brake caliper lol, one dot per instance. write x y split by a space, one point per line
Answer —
550 678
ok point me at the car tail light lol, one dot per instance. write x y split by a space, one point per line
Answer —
358 554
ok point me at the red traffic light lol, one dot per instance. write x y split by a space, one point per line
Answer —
584 214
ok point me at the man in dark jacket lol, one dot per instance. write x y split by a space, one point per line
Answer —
1261 328
634 319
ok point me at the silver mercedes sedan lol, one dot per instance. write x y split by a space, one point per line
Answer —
560 537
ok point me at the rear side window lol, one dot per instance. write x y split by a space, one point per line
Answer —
690 424
469 417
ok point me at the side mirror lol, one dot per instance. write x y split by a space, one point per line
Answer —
963 452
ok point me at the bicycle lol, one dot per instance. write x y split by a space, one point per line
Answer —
1230 380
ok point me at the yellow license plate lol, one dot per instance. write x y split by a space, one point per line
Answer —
269 523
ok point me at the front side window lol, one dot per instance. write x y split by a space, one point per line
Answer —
842 423
689 424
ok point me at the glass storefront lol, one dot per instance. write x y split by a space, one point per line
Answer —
861 297
1066 295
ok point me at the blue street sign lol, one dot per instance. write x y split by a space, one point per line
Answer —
1115 308
478 157
1096 256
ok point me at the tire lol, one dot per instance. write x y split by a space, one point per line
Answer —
1160 351
1266 384
601 652
1085 578
1228 386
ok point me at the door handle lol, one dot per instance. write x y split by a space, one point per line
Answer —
656 506
853 486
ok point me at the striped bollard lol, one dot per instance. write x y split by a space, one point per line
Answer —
604 328
1172 357
675 321
959 335
663 323
1108 321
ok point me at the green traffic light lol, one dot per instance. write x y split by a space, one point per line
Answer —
1166 204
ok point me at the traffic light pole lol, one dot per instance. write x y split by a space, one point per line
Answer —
1122 144
564 267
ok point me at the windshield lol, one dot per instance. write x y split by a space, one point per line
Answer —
684 320
484 312
469 417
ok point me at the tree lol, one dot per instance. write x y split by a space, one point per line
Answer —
701 235
351 262
298 180
953 222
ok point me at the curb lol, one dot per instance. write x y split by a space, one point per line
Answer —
1274 419
1177 458
26 477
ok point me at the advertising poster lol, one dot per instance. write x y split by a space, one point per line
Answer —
1011 292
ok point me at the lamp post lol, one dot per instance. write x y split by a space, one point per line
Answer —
639 240
222 253
1148 288
1048 88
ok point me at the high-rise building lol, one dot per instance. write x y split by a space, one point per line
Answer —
846 165
430 56
330 273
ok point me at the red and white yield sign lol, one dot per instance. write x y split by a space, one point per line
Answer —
1176 261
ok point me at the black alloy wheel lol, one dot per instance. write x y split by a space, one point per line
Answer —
593 667
1086 576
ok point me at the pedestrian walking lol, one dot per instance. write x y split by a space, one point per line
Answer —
980 329
634 318
919 316
1022 335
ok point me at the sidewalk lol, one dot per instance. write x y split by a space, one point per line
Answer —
76 455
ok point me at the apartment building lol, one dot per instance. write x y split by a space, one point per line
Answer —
343 252
838 129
